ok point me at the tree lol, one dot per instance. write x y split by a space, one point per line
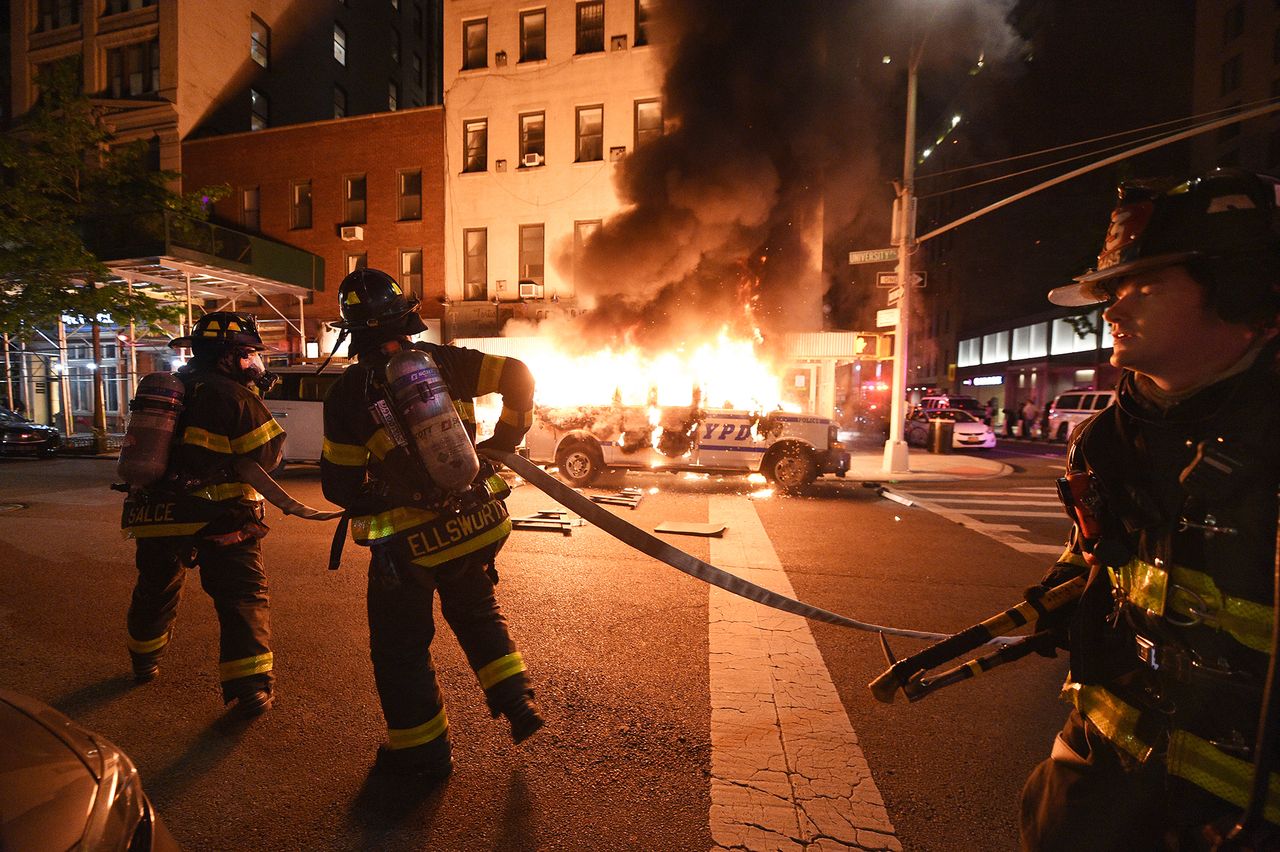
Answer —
70 196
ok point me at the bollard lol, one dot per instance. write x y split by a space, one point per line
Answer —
940 435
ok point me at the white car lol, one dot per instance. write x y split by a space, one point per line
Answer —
1073 407
969 431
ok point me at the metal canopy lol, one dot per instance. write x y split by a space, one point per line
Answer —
172 276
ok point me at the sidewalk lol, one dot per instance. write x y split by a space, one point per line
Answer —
924 466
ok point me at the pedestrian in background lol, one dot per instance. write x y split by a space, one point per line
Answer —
1029 414
201 515
1176 532
422 539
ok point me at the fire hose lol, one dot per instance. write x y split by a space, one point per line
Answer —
651 545
252 473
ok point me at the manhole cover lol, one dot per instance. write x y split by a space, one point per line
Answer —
11 507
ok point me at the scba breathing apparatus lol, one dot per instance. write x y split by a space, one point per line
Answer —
417 411
158 402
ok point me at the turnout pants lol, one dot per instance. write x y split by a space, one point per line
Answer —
234 578
401 627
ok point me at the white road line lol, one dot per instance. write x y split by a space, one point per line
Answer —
786 768
998 498
1002 533
1013 513
1017 492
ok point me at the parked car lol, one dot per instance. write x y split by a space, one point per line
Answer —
959 401
968 431
790 450
1073 407
297 404
20 436
64 787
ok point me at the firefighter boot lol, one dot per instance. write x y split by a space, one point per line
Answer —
145 656
252 704
430 761
524 717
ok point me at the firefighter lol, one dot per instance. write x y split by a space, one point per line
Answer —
422 538
200 515
1171 642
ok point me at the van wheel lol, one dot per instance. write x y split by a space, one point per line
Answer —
1063 432
580 462
790 467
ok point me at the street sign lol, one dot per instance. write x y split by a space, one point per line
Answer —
890 279
887 318
895 295
887 255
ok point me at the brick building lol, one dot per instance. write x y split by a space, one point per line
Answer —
364 191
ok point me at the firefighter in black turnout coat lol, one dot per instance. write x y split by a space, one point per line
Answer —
1174 492
200 515
422 538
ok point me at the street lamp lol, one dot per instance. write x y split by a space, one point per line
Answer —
896 456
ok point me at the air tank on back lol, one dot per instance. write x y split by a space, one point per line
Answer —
432 426
153 423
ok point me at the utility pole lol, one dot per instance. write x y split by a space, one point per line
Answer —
896 456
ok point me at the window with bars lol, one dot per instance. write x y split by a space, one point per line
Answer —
259 110
532 253
353 195
134 69
475 265
533 35
590 26
590 133
475 145
259 41
410 194
648 121
475 44
411 272
300 204
340 44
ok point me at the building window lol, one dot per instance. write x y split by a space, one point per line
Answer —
259 41
410 194
533 35
393 95
44 74
644 9
475 145
1230 75
475 266
134 69
531 253
300 204
417 19
590 26
648 121
395 46
340 44
52 14
114 7
1233 23
250 210
357 260
417 72
339 102
532 139
353 195
411 272
582 234
590 139
259 110
475 44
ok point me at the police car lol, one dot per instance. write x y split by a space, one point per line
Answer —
790 450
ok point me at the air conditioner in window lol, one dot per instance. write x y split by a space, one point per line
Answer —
532 159
352 232
530 290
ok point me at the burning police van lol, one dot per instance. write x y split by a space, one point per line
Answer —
790 450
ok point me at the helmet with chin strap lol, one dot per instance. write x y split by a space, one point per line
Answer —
1223 225
370 298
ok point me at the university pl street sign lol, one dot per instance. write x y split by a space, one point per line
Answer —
887 255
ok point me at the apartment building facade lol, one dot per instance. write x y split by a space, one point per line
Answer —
543 102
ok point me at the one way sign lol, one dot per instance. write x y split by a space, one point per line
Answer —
886 280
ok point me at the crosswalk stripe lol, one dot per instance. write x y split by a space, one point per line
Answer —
1012 513
786 768
940 493
1003 501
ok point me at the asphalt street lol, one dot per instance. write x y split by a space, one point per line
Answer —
626 655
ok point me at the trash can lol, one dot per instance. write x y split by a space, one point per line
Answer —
940 435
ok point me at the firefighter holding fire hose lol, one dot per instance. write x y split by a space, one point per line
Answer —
188 507
1174 491
399 427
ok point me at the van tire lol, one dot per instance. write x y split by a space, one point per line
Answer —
1064 431
790 467
580 461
